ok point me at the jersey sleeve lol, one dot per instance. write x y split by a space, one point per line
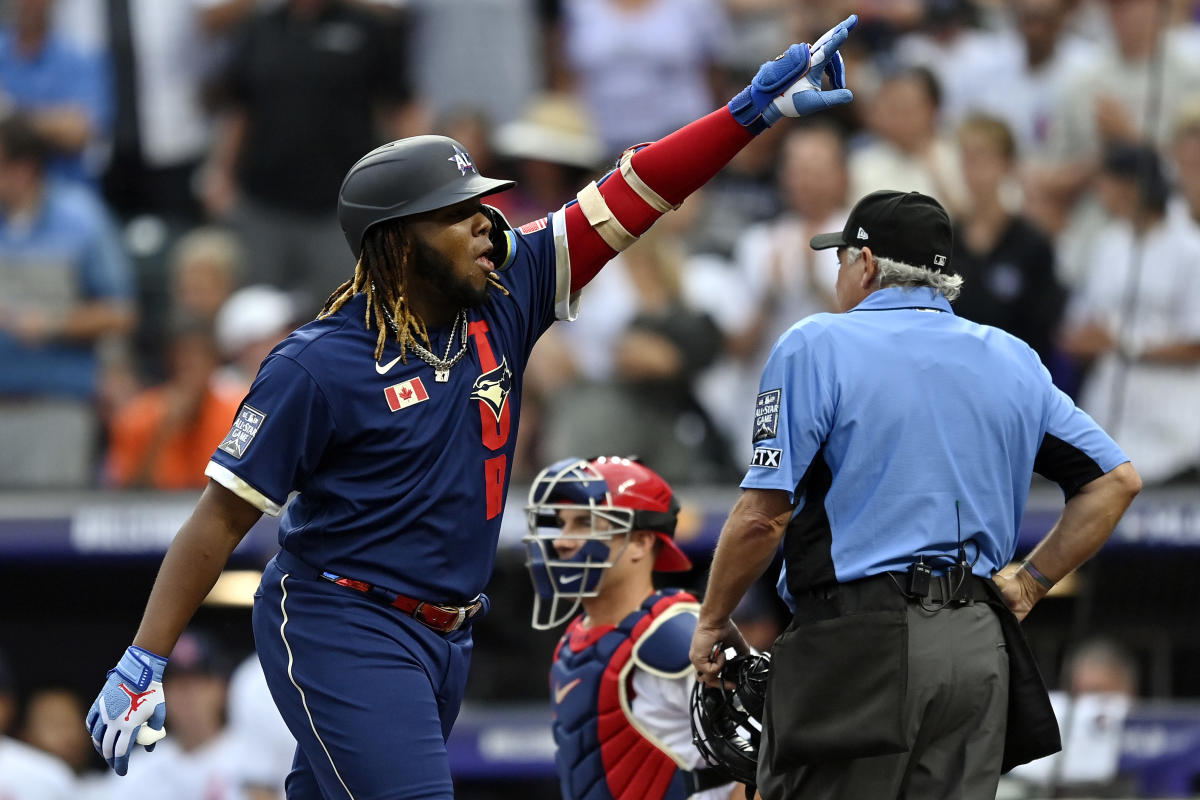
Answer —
662 710
793 415
277 438
539 275
1074 449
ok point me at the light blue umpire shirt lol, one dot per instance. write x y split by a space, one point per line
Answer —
900 430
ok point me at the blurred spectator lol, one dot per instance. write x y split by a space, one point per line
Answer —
312 84
192 279
449 42
265 745
64 92
553 151
52 725
165 435
964 59
643 359
1137 321
776 279
64 286
1184 207
1157 71
1035 54
163 56
250 323
1100 665
643 67
1006 263
906 151
199 759
206 265
27 773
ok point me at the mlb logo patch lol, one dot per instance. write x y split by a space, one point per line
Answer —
768 457
245 427
766 415
405 394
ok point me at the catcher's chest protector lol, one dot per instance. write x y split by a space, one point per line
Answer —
601 755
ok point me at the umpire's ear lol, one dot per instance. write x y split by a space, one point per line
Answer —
870 271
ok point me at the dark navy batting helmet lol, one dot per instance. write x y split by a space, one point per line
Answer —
408 176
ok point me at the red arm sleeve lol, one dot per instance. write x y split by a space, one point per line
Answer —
671 168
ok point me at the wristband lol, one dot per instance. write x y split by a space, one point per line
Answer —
1037 576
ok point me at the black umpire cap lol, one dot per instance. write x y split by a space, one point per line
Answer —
908 227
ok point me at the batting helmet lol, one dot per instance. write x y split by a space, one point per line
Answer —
627 495
727 723
408 176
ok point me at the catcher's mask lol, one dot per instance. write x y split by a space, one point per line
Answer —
619 496
727 723
414 175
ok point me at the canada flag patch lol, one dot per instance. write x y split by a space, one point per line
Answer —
403 395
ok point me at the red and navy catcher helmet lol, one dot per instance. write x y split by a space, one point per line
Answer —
628 495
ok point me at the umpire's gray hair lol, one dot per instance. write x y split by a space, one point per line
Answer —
897 273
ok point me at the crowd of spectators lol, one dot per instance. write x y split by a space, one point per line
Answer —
168 175
169 171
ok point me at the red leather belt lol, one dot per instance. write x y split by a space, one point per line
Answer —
439 617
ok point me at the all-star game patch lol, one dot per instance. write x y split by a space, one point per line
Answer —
245 427
766 415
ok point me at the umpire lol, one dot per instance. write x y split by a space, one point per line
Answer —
893 450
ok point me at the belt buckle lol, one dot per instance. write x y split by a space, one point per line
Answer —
460 614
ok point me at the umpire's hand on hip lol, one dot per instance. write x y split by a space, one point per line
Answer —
130 709
791 84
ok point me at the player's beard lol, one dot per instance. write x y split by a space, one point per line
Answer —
438 271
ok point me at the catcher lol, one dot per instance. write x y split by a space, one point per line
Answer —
621 679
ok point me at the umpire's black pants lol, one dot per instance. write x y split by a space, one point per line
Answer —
953 719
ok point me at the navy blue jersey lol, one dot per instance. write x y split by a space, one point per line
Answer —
400 480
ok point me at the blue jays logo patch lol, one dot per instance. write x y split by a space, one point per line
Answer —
245 427
492 387
766 415
463 161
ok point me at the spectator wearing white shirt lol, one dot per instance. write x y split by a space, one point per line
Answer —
1136 320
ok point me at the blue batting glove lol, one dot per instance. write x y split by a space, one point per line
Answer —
790 85
130 709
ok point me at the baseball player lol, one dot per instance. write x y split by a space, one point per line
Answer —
621 680
390 422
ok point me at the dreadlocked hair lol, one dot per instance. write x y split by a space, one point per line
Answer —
381 272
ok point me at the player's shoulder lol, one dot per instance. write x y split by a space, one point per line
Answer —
663 647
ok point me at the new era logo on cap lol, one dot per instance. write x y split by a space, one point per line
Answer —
908 227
